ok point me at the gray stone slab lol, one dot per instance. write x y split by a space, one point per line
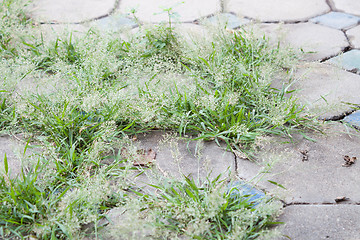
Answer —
319 179
349 60
321 222
349 6
66 11
337 20
228 19
326 90
197 159
184 11
316 41
277 10
354 36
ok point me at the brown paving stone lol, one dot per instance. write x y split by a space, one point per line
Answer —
278 10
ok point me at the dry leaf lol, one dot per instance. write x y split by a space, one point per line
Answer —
305 156
341 199
144 157
348 161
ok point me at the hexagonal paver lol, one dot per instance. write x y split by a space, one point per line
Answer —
305 222
349 60
278 10
320 178
318 42
354 36
229 19
337 20
185 11
348 6
66 11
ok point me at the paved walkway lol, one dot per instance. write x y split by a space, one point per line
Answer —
328 31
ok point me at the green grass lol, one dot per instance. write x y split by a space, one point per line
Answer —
86 94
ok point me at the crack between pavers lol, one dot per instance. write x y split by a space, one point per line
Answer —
331 4
319 204
338 117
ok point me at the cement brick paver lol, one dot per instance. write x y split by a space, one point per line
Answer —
185 11
306 222
70 11
348 6
354 36
278 10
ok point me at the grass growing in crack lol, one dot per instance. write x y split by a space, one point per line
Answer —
99 88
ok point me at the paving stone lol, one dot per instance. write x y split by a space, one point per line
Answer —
319 179
277 10
115 23
177 158
316 41
13 150
185 11
349 60
321 222
354 36
349 6
353 119
229 19
326 89
66 11
337 20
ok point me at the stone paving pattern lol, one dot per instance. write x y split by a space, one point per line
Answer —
329 34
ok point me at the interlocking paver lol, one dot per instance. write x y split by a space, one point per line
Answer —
326 89
71 11
278 10
319 179
229 19
321 222
348 6
318 42
349 60
354 36
185 11
337 20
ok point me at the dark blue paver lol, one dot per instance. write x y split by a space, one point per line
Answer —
349 60
353 119
241 189
229 19
337 20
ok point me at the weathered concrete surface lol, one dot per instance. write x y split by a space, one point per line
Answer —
349 6
316 41
13 150
308 222
354 36
175 158
66 11
326 89
186 11
277 10
319 179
